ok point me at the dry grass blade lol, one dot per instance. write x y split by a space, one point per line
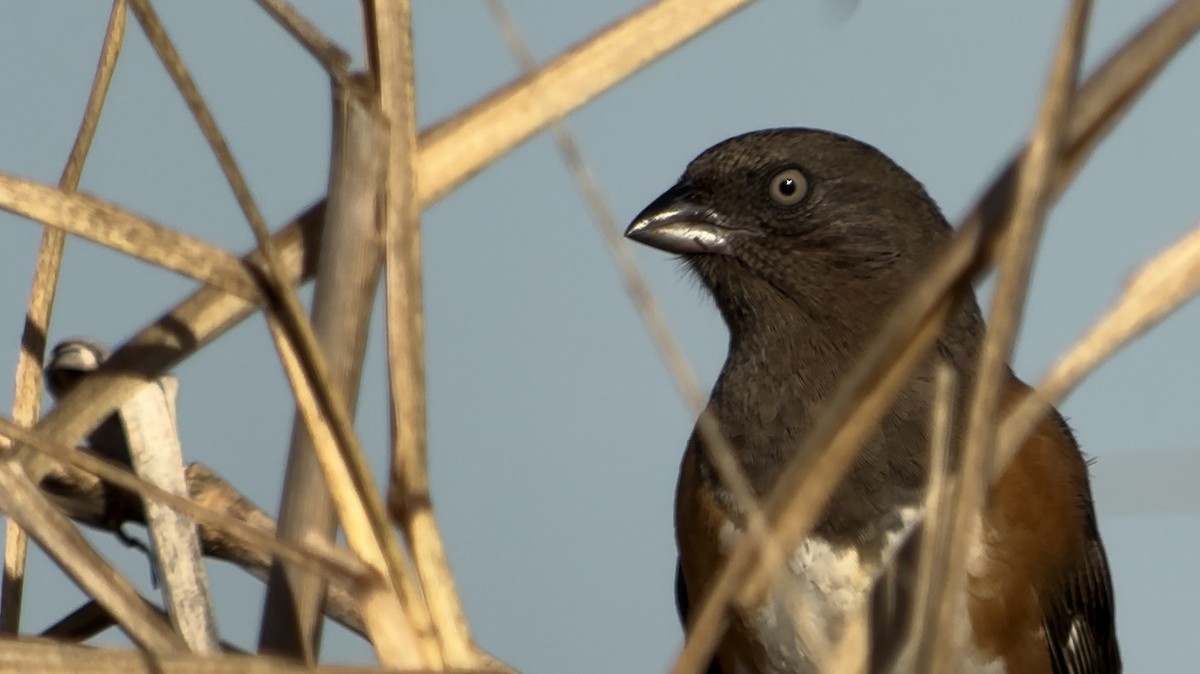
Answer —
1020 242
715 443
152 441
1117 84
27 396
361 513
341 312
636 287
936 651
327 559
208 313
89 620
116 228
389 45
1162 286
90 500
333 58
341 457
181 331
937 648
1108 92
932 569
458 148
32 656
22 501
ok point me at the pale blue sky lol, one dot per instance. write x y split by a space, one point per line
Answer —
555 433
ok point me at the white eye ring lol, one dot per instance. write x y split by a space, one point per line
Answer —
788 187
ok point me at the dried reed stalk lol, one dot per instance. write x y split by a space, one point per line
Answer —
586 69
31 357
341 313
90 500
389 47
114 227
329 560
333 58
35 656
338 451
61 540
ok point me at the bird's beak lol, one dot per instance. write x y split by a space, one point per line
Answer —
678 223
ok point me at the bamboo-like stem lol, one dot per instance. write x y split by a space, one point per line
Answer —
341 457
207 313
32 656
328 560
669 350
110 225
181 331
152 436
342 302
1163 285
931 589
1109 92
493 126
22 501
389 46
333 58
937 647
388 615
89 500
30 358
1029 206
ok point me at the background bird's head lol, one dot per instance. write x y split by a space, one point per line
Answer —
797 220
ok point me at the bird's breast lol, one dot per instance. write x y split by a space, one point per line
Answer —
813 619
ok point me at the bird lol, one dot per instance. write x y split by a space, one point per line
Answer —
806 239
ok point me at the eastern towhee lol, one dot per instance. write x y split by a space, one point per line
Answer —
806 239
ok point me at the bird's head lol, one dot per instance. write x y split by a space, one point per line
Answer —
809 220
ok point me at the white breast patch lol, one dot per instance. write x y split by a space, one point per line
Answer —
802 625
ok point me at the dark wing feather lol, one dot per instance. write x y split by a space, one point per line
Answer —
1078 613
1079 620
683 606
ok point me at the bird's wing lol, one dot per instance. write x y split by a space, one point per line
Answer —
683 605
1076 598
1078 616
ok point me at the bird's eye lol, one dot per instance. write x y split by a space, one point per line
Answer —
788 187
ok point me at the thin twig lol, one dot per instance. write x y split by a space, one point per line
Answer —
22 501
930 588
207 313
715 444
90 500
461 146
347 474
389 47
332 57
342 304
937 647
1163 285
1030 203
110 225
326 559
636 287
30 358
34 656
